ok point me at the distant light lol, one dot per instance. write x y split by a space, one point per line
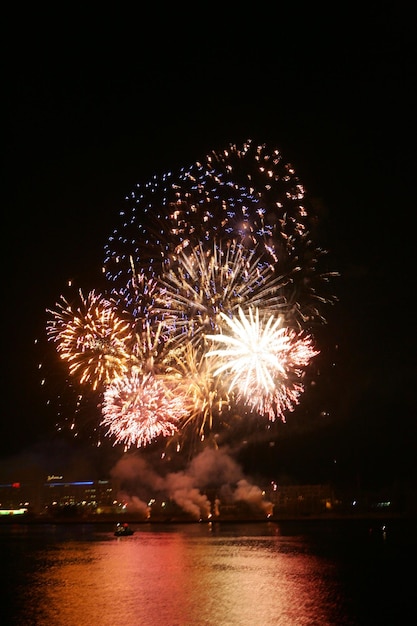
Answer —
13 511
75 484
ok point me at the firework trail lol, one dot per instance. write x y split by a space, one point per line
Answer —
208 398
219 253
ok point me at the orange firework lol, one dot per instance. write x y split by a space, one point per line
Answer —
92 338
205 392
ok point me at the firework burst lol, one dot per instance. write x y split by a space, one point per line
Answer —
203 283
137 409
222 252
208 397
246 194
92 338
263 362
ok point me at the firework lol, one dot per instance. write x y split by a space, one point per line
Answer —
203 283
152 327
246 194
137 409
223 252
263 361
92 338
208 397
137 298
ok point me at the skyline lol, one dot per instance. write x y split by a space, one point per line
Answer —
78 146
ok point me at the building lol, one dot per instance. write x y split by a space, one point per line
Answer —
57 496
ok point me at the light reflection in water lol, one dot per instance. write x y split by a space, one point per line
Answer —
341 573
185 576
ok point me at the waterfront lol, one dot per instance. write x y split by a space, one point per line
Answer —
343 573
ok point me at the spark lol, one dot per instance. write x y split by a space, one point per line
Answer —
208 397
137 409
202 283
263 361
246 194
152 328
92 338
222 252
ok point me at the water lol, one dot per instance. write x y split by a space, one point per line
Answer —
259 574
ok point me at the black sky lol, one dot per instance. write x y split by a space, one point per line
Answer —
96 103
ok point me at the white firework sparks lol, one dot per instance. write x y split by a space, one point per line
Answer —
263 361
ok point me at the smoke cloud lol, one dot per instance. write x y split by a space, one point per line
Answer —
213 471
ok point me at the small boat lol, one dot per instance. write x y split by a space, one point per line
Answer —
123 530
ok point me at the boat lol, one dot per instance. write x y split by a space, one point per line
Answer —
123 530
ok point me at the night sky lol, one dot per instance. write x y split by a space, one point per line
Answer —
96 104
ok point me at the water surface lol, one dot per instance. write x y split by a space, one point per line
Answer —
258 574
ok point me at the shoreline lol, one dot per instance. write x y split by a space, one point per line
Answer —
132 519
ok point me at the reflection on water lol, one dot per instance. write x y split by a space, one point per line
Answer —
195 574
